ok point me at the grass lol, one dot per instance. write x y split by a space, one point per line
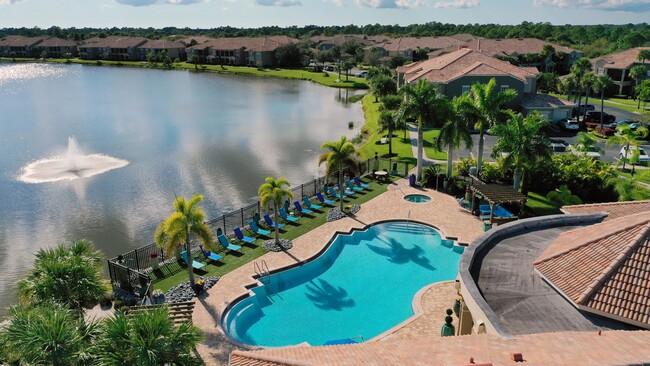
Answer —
540 206
641 175
429 136
173 274
299 74
620 103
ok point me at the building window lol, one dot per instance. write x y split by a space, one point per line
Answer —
465 89
504 87
601 71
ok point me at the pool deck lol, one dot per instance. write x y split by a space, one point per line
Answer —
442 212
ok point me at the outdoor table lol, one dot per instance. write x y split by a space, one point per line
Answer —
380 174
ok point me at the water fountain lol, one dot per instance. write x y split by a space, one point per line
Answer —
74 164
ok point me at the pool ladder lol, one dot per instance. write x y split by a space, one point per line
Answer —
262 271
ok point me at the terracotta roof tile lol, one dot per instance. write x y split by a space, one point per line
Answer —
113 42
621 60
19 41
403 44
613 209
57 42
505 47
259 44
160 44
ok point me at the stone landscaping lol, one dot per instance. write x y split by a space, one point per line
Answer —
184 292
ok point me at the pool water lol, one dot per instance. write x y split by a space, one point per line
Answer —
417 198
362 285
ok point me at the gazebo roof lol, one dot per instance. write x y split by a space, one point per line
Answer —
498 193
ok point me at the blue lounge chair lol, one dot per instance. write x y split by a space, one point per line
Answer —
255 229
286 217
242 237
333 193
209 255
346 191
361 184
270 222
303 211
195 264
226 244
310 205
352 186
324 200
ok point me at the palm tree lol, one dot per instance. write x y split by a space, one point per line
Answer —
643 55
623 186
273 190
382 86
627 137
484 106
389 122
176 229
49 334
455 132
523 142
584 143
638 73
423 100
578 70
67 274
601 84
146 338
338 155
588 81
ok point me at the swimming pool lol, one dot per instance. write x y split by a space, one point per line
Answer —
417 198
362 285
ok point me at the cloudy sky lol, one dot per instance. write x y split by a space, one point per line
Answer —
255 13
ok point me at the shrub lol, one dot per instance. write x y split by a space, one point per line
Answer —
461 167
391 102
562 197
490 173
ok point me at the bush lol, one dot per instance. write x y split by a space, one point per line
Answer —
461 167
117 304
391 102
562 197
456 186
490 173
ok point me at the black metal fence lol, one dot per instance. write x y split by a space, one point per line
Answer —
130 271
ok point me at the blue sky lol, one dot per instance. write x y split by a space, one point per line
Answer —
256 13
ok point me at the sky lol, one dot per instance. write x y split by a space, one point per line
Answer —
257 13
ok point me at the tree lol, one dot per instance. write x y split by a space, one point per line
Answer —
523 142
601 83
638 73
288 55
146 338
187 219
578 71
273 190
624 187
484 106
584 143
643 55
389 122
70 275
382 86
49 334
643 91
338 155
422 101
195 60
455 132
391 102
378 72
627 137
547 54
347 66
547 82
588 81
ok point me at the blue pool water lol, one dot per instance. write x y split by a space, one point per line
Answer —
362 285
417 198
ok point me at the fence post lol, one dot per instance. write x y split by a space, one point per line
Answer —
242 217
224 225
137 261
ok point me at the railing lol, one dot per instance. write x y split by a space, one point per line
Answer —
131 270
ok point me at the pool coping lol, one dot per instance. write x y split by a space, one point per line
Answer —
416 305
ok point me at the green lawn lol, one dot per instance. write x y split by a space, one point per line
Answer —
429 136
173 274
642 175
620 103
540 206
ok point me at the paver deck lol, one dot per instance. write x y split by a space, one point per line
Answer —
442 212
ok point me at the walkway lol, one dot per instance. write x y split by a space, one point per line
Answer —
413 134
442 211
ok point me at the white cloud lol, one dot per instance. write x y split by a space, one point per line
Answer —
457 4
400 4
336 2
281 3
611 5
9 2
154 2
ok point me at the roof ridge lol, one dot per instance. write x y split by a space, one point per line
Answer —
269 358
616 263
608 203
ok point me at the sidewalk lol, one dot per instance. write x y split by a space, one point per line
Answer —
413 134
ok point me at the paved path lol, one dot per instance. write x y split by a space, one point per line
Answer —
413 134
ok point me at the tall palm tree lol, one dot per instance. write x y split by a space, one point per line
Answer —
273 190
455 132
638 73
601 83
578 70
70 275
588 81
643 55
146 338
585 143
627 137
523 142
484 105
381 86
389 122
338 155
187 219
423 100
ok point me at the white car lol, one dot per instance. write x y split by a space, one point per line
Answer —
577 150
569 124
361 74
643 156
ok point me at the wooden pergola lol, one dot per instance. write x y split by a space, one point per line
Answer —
496 194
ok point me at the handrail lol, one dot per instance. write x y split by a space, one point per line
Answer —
261 269
146 293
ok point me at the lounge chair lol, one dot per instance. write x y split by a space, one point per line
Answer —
256 230
352 186
209 255
361 184
242 237
286 217
226 243
303 211
310 205
324 200
270 222
346 191
195 264
333 193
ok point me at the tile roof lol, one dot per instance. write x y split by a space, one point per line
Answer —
565 348
614 209
621 60
113 42
57 42
160 44
546 101
19 41
259 44
505 47
413 43
340 39
463 62
604 267
199 39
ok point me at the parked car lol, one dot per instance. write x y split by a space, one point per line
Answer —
591 152
593 116
361 74
583 109
633 124
558 147
643 156
569 124
329 68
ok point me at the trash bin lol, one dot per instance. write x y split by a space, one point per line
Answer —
487 225
412 180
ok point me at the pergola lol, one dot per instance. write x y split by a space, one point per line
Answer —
496 194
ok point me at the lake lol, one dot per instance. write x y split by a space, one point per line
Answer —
180 132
